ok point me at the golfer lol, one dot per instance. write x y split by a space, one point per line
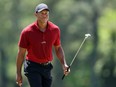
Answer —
36 42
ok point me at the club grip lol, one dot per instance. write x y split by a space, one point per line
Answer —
63 76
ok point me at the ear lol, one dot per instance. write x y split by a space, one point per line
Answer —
35 14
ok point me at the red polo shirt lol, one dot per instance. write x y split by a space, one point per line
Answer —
39 44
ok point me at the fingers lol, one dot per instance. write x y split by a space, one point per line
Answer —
19 80
67 71
19 83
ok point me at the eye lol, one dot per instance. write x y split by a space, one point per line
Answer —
45 13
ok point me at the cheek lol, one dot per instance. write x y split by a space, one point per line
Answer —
39 17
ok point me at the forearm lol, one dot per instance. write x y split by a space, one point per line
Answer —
20 60
60 54
19 63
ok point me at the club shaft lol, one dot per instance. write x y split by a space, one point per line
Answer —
75 55
77 51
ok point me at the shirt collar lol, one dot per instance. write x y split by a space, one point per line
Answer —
37 27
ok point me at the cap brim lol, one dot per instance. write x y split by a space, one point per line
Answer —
42 9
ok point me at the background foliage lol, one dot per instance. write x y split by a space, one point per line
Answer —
95 65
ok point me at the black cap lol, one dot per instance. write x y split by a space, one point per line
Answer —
41 7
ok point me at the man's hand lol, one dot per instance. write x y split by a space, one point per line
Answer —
19 80
66 69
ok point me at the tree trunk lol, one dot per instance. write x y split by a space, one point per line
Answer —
93 56
3 65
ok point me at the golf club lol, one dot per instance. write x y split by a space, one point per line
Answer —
86 36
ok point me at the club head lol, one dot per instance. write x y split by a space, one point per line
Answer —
87 35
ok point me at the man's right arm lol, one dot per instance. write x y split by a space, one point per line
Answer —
19 62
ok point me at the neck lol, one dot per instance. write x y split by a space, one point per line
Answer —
42 25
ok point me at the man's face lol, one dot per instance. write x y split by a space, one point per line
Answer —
43 16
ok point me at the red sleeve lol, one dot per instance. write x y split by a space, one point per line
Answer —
23 41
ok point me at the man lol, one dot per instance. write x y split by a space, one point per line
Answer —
36 41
